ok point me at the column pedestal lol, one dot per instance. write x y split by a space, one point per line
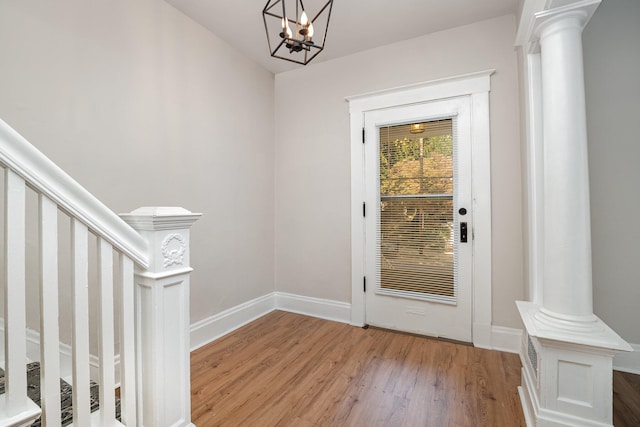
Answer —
567 374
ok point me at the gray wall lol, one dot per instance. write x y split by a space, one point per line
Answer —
144 107
612 80
312 203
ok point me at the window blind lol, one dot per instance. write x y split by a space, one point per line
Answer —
415 239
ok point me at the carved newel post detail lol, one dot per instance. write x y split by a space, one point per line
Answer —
162 316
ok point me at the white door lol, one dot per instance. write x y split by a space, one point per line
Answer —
418 251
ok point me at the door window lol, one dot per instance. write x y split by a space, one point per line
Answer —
416 232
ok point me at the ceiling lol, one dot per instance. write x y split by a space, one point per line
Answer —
356 25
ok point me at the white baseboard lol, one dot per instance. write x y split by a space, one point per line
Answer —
628 362
315 307
207 330
506 339
482 335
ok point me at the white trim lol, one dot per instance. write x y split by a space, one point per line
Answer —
357 222
527 401
628 362
535 174
154 218
25 417
477 85
316 307
449 87
506 339
481 334
210 329
481 232
46 178
527 21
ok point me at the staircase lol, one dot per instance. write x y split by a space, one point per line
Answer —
66 400
141 258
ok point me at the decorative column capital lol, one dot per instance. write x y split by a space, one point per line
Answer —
533 21
166 230
582 10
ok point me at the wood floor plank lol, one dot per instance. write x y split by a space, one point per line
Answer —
286 369
626 399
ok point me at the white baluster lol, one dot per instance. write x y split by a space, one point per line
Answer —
127 344
80 307
14 299
49 346
106 351
15 407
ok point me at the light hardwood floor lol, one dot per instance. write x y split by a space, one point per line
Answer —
286 369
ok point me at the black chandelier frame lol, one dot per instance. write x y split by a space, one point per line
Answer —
297 47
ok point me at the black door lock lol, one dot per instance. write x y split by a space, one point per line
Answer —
463 232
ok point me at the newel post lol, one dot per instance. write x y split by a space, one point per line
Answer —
162 317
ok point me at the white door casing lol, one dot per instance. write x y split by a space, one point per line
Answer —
476 86
420 314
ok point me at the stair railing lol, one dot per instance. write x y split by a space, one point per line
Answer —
153 270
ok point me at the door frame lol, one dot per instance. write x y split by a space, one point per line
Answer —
477 87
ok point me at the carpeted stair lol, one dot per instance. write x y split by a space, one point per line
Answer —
33 391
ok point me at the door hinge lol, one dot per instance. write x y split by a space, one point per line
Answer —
364 283
363 135
364 209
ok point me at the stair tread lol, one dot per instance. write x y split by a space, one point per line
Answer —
66 400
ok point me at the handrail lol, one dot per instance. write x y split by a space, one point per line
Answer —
45 177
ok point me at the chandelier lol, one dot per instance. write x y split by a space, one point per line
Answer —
293 32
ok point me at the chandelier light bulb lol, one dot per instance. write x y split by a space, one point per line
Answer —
288 31
307 26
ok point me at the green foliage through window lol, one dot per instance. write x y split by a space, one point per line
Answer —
416 166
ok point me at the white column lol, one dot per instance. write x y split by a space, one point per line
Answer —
567 287
567 352
162 317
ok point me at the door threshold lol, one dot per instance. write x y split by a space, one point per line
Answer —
431 337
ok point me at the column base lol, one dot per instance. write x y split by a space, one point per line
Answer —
567 369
